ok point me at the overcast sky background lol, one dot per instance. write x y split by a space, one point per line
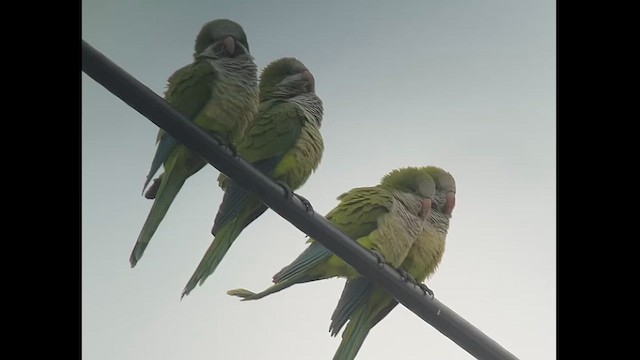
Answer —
465 85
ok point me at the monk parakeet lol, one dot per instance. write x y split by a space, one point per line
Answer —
363 303
283 142
219 93
386 219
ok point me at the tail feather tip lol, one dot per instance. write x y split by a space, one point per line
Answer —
136 253
243 293
184 293
133 260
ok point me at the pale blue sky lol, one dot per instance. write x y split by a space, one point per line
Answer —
465 85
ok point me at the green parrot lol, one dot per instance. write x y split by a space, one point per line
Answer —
386 219
219 93
364 304
283 142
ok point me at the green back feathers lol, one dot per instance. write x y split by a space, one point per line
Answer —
189 88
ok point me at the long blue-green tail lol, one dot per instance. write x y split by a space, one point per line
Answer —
165 147
313 255
216 251
249 295
354 296
172 182
295 273
353 336
237 210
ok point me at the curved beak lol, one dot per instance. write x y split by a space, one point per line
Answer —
310 78
224 47
229 44
426 208
450 203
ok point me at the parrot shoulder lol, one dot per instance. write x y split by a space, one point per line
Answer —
359 209
273 132
189 88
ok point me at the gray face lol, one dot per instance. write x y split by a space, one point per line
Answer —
226 48
221 38
444 202
445 198
299 83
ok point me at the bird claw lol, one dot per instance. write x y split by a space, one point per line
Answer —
405 276
379 257
306 203
288 193
231 148
426 290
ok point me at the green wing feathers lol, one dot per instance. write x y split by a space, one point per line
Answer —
177 170
268 144
212 257
189 89
353 336
356 215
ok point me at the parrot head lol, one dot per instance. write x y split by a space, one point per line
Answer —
413 180
285 77
221 38
445 197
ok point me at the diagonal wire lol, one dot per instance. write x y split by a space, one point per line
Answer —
156 109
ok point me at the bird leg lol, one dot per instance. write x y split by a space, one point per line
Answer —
306 203
379 257
406 276
426 290
225 143
289 194
232 149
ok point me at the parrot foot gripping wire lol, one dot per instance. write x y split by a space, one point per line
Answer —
232 149
289 194
409 278
406 276
379 257
306 203
426 289
227 144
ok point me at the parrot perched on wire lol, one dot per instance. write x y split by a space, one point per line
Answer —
283 142
364 304
386 219
219 93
